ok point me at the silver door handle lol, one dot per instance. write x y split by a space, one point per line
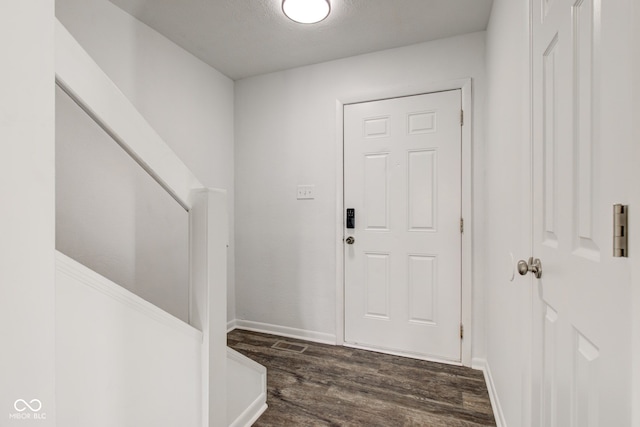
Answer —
350 240
534 265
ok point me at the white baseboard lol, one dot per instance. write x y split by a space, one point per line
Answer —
284 331
481 364
251 415
231 325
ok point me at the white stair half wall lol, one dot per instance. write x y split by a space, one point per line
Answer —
246 390
120 360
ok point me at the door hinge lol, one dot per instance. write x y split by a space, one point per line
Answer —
620 231
461 225
461 331
461 117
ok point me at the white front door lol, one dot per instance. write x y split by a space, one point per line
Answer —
402 166
581 310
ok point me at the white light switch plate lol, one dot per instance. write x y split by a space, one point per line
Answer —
306 192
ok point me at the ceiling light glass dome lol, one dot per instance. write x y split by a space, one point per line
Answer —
306 11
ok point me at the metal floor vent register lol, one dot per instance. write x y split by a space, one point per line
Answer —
287 346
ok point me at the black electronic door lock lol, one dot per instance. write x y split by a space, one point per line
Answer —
351 218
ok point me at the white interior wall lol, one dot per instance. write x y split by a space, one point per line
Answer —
186 101
507 205
286 129
114 218
27 366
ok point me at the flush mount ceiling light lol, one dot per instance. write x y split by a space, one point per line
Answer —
306 11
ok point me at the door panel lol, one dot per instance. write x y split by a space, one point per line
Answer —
403 178
581 319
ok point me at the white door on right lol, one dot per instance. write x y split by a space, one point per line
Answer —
581 324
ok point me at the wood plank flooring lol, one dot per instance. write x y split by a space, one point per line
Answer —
338 386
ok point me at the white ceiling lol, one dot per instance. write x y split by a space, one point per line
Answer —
243 38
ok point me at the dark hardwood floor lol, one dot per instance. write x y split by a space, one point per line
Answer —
337 386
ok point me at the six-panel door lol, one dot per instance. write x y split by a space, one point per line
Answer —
402 166
581 342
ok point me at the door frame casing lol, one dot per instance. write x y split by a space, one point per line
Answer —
465 86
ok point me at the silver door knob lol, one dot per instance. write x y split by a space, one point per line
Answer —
533 265
350 240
